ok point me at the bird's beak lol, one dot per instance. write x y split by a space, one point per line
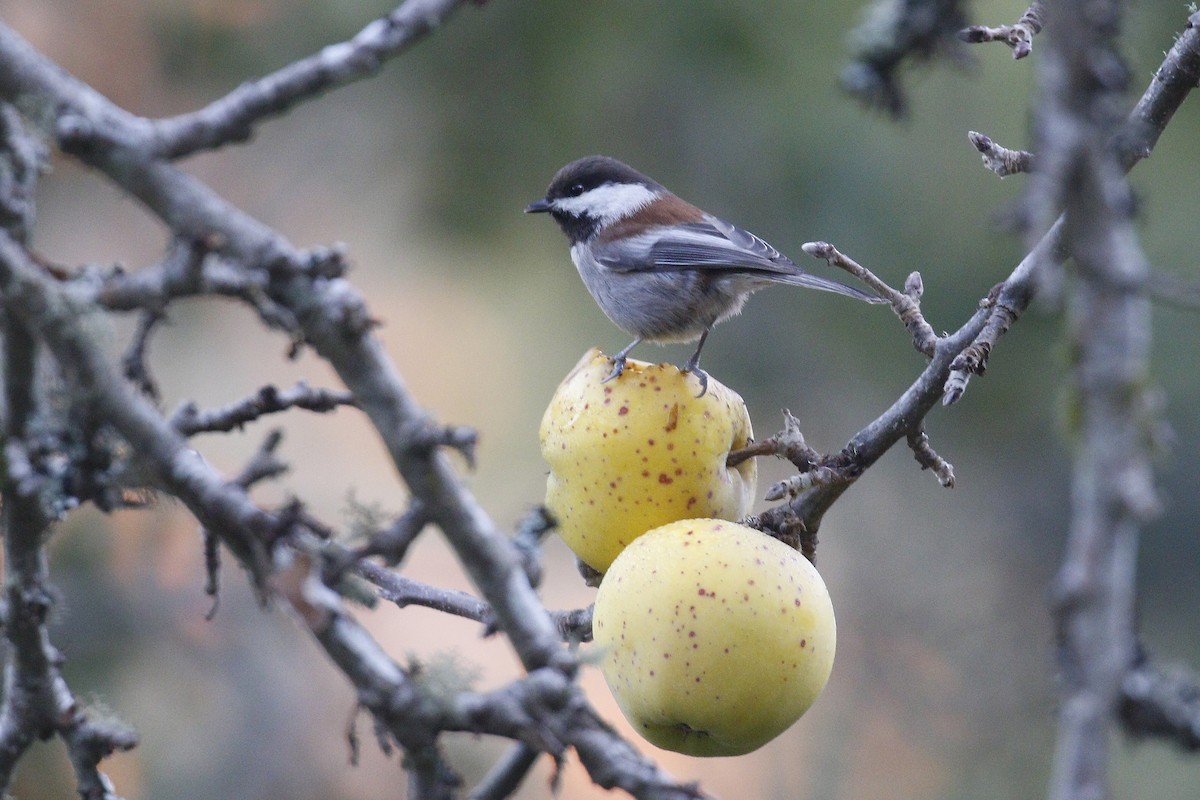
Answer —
538 206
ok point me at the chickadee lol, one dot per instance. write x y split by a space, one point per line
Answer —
658 266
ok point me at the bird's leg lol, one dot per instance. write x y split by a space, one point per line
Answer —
693 365
619 360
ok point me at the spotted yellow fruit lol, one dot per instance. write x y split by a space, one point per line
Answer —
640 451
715 637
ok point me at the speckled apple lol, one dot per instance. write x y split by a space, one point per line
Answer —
714 637
640 451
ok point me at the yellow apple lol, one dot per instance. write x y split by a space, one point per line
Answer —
640 451
715 637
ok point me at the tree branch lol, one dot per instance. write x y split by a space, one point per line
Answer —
332 315
189 420
42 306
1162 703
964 352
1018 36
233 117
893 32
1178 75
1112 492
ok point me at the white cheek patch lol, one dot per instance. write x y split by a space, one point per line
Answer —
609 202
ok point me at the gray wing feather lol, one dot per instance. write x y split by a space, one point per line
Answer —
715 246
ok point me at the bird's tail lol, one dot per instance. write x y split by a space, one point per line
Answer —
825 284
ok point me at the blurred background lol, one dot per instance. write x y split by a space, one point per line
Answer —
943 686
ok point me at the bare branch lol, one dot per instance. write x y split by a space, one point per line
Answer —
892 33
264 465
1018 36
999 159
133 365
22 160
1172 290
1112 491
536 525
335 321
234 116
573 626
190 420
545 709
788 443
1173 81
191 270
906 304
1162 703
37 702
939 381
424 435
393 542
396 588
798 484
42 306
928 459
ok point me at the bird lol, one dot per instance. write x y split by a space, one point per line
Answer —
660 268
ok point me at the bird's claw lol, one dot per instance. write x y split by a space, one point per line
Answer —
617 368
701 376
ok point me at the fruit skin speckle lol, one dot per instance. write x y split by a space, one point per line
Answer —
748 621
639 452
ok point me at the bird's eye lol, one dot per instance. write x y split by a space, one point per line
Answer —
575 190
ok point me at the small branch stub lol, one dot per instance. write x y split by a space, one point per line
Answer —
1000 159
918 440
424 435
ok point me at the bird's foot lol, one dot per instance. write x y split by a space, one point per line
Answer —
701 376
617 368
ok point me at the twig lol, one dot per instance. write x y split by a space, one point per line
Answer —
1018 36
928 459
1162 703
788 443
1172 290
189 420
544 709
134 362
233 117
999 159
212 572
23 158
187 271
396 588
393 542
798 484
506 776
536 525
573 626
424 435
263 465
906 304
